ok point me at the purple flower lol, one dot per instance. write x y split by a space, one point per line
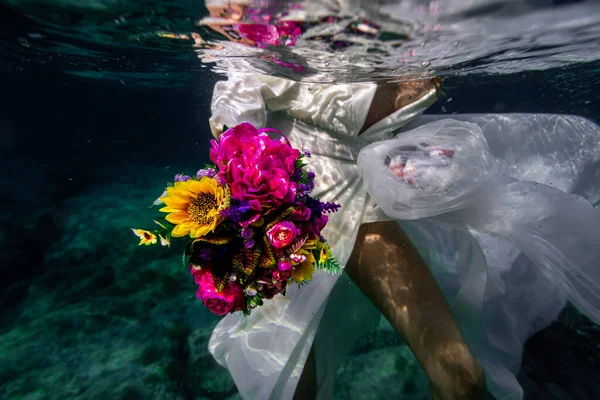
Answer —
329 207
209 172
235 211
318 207
249 243
182 178
297 175
221 181
308 185
301 212
247 233
307 153
204 254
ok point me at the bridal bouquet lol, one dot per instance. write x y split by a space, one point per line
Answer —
251 222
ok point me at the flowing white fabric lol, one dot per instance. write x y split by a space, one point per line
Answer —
506 273
513 287
247 97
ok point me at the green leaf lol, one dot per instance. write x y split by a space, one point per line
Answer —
333 266
160 224
184 258
267 257
330 264
280 217
253 302
216 240
245 261
220 280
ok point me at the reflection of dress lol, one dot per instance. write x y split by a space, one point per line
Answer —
497 294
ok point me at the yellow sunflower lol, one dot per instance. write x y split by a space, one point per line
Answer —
146 237
324 252
194 206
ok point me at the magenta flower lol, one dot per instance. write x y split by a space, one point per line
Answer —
256 168
301 212
297 68
284 33
262 34
283 271
282 234
315 227
228 300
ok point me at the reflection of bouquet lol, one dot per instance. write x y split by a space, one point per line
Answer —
284 33
252 221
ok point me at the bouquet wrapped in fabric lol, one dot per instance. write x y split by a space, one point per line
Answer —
252 223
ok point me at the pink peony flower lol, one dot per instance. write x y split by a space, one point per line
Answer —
257 169
282 234
229 300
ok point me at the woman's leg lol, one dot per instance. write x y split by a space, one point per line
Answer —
389 270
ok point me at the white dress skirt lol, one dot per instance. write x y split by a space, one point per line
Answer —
506 225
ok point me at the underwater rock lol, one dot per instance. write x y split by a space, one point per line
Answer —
381 366
100 317
207 379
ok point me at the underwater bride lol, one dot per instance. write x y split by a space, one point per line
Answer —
468 234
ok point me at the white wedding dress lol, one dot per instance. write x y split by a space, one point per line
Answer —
506 227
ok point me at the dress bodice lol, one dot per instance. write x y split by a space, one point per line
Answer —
337 109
